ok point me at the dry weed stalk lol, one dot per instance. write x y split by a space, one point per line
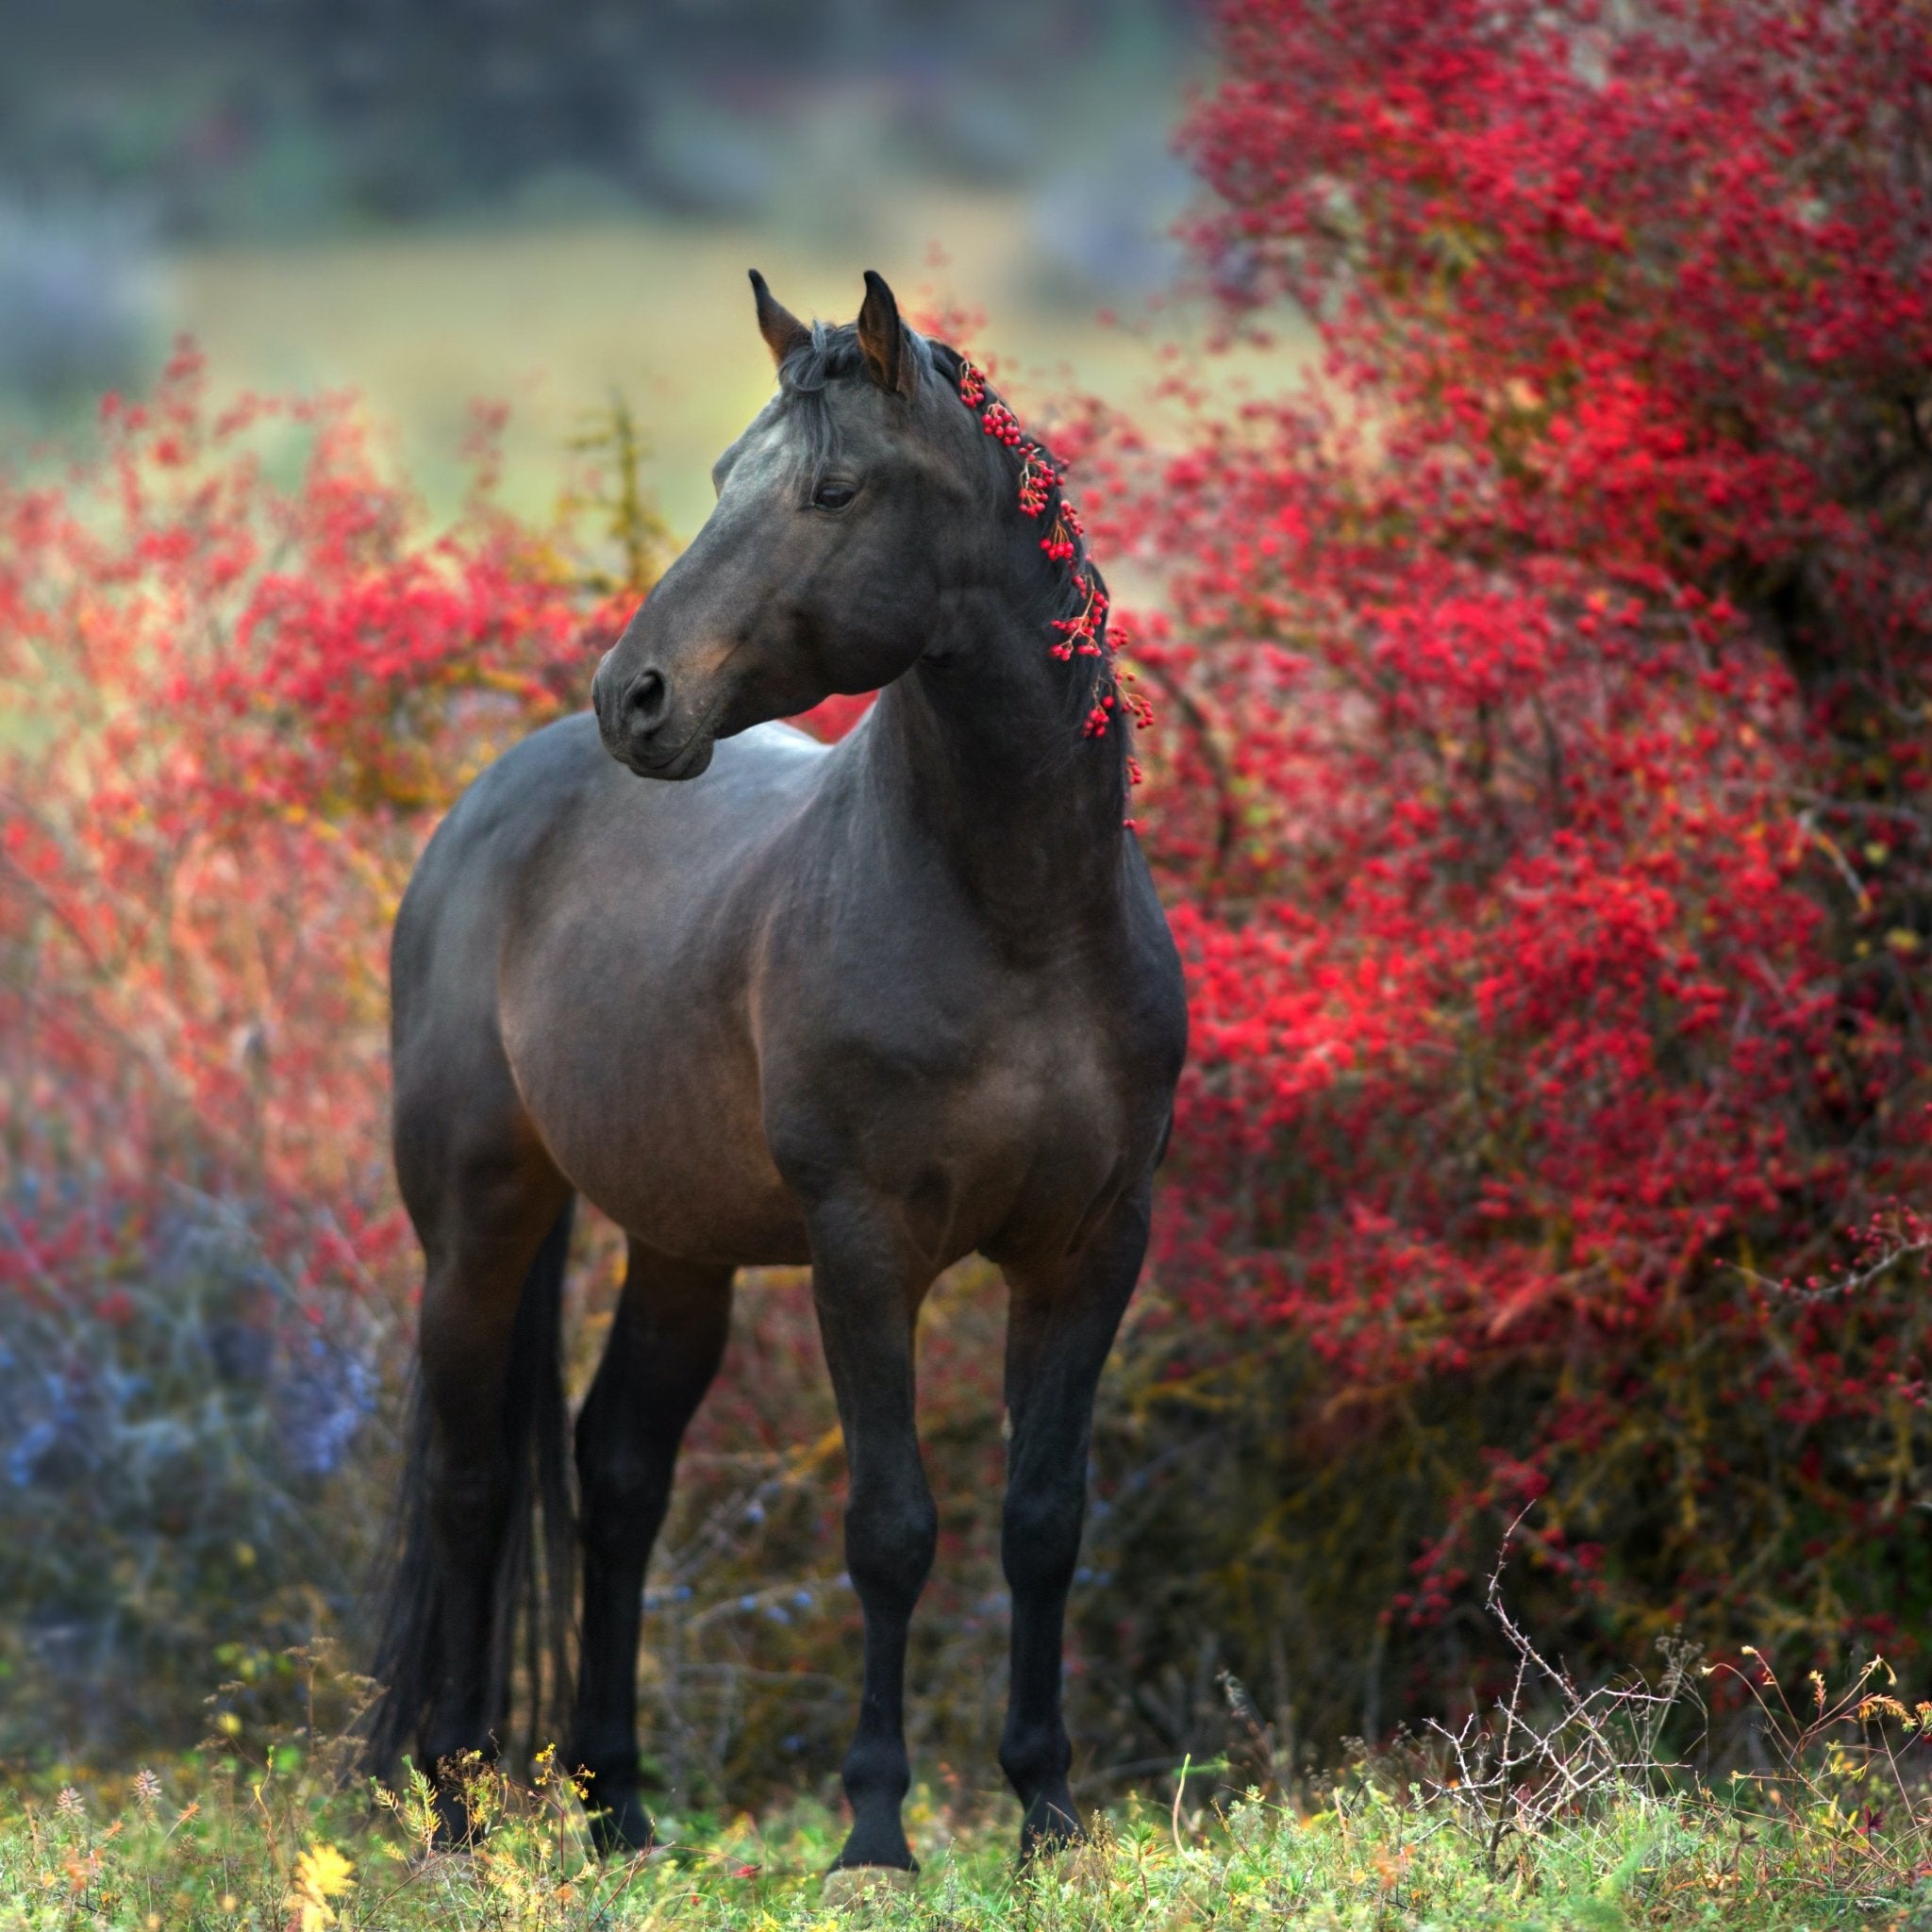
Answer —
1509 1772
1840 1773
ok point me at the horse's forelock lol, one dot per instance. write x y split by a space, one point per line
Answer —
833 352
831 355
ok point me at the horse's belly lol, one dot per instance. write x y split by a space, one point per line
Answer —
736 1213
666 1140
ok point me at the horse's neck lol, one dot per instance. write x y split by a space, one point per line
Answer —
980 748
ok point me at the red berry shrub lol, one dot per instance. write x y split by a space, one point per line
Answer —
1544 815
239 678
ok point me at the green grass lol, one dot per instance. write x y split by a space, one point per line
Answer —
278 1848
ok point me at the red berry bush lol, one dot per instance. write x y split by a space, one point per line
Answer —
1543 805
240 677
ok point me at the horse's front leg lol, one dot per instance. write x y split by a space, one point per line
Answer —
1060 1330
868 1284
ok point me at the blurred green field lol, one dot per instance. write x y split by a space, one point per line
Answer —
551 318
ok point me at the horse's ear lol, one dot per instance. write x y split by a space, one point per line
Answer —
888 358
782 330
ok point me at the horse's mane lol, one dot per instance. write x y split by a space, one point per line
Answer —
1089 682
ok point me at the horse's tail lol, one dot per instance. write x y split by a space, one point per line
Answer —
534 1595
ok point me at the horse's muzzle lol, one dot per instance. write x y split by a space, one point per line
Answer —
632 720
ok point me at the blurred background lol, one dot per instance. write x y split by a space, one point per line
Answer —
437 200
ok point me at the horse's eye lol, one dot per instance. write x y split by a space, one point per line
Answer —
832 495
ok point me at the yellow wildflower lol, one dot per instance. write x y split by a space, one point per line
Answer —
322 1874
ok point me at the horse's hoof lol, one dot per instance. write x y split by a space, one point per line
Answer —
1048 1828
845 1885
624 1829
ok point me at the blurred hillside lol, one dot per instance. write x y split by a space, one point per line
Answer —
437 200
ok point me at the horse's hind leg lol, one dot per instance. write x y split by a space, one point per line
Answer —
665 1345
491 1211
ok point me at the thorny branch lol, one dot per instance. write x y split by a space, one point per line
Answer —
1510 1773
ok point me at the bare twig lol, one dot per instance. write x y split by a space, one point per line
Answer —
1509 1772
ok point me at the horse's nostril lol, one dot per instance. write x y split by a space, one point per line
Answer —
644 706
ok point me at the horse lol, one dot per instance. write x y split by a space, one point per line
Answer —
873 1006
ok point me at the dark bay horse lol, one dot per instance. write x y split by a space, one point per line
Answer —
875 1007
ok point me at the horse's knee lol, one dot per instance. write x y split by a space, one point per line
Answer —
625 1485
1040 1535
876 1768
628 1441
891 1540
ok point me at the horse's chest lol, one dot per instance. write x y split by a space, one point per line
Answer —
1042 1093
1005 1141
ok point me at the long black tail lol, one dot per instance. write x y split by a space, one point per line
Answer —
535 1590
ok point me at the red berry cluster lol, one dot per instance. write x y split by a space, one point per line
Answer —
256 698
1086 633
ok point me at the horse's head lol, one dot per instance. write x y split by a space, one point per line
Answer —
850 515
